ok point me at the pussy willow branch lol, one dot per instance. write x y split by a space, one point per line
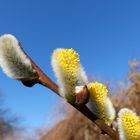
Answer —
47 82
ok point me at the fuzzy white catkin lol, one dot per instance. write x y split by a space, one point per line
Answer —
65 79
128 125
13 60
100 103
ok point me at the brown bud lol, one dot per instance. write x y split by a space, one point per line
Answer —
29 83
82 96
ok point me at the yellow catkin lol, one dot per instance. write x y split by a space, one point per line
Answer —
130 124
69 72
98 91
69 63
99 96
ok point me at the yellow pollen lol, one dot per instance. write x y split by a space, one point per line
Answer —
69 61
98 94
98 91
131 125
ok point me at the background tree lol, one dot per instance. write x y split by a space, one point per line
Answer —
9 124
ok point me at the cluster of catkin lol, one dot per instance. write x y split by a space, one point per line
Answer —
72 80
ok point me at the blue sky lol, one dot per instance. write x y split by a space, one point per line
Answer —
105 33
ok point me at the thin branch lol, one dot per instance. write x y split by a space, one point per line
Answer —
105 128
44 79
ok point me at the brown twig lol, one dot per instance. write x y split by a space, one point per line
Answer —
105 128
44 79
